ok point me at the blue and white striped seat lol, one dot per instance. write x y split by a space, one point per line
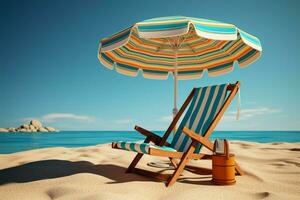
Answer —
140 147
203 108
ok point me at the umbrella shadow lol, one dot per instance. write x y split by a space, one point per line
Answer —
49 169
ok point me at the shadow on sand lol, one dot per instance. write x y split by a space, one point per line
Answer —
48 169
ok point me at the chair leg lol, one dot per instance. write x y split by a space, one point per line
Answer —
134 162
181 165
137 158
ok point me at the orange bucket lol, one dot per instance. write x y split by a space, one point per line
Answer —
223 166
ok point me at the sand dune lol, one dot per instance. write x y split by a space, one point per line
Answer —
97 172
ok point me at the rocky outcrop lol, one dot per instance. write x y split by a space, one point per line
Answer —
33 126
25 126
12 129
50 129
42 129
36 123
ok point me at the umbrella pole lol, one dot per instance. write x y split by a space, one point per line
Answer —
175 110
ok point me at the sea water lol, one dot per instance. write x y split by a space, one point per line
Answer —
15 142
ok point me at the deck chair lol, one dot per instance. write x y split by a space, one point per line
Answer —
206 107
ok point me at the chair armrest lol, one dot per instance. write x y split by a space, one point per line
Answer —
153 137
208 144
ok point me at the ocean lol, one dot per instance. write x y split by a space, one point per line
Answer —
15 142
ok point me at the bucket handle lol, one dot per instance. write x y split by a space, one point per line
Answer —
226 148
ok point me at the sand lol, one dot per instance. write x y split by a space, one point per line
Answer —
97 172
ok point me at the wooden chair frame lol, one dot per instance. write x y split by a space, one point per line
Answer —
183 156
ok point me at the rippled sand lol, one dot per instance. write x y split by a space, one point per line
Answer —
97 172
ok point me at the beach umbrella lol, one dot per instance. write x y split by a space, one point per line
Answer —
183 47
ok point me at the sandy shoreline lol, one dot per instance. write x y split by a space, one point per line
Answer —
97 172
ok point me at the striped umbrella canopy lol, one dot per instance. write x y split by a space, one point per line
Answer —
184 47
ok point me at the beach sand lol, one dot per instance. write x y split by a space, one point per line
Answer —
97 172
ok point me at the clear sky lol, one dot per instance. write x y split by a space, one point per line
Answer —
49 68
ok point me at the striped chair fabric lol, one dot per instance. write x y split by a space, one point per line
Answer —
204 106
140 147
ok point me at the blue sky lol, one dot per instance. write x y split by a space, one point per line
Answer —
49 68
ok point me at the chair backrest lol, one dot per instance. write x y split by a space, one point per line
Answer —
203 108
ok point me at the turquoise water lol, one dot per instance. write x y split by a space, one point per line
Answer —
15 142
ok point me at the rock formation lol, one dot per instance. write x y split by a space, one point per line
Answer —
50 129
36 123
33 126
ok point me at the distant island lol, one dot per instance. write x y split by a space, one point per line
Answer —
33 126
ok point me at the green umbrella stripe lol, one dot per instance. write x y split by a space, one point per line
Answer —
127 67
220 67
247 56
216 29
107 59
190 72
162 27
155 71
